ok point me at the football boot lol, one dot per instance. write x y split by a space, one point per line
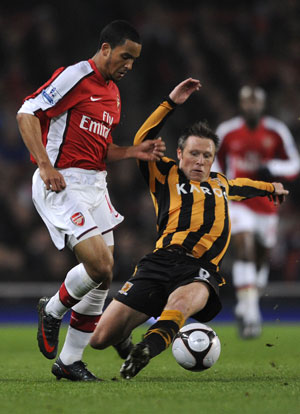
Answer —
138 358
73 372
48 330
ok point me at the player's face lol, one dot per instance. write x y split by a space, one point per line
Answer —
252 108
119 61
197 157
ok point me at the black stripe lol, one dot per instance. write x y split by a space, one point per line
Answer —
162 166
167 239
165 166
221 241
246 191
162 195
208 220
213 175
184 219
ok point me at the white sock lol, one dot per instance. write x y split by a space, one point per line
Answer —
77 340
75 343
77 283
262 276
248 304
244 281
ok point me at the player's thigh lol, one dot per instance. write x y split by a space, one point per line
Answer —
242 218
116 323
189 299
267 230
243 228
244 246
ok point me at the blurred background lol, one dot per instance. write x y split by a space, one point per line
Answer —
225 44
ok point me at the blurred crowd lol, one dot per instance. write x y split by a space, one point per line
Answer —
224 44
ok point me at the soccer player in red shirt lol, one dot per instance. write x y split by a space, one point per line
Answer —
259 147
66 125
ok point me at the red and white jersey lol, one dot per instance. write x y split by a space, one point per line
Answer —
77 110
243 151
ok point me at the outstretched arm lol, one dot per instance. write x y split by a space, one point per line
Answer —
155 121
149 150
244 188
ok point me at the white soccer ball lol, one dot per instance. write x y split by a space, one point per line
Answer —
196 347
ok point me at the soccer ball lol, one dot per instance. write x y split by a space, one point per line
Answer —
196 347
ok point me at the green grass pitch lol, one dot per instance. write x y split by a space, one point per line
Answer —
251 377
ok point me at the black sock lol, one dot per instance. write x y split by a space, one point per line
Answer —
160 335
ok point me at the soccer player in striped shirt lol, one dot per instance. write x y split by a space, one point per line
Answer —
180 279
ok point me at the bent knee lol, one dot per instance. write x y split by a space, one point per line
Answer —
103 339
97 343
101 270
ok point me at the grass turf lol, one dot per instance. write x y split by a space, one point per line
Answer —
255 376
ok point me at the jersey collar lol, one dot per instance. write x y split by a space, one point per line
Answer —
98 73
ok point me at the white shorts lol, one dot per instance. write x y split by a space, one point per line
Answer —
263 225
82 210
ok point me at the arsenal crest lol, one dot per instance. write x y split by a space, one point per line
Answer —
78 219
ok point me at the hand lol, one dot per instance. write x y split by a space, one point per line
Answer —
150 150
278 196
184 90
52 178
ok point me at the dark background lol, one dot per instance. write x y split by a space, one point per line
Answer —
225 44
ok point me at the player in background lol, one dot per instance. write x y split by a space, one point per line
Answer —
180 278
259 147
66 125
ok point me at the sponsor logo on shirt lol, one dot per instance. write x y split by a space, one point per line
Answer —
78 219
95 99
181 189
93 126
96 127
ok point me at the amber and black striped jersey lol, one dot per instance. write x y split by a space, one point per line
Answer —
191 214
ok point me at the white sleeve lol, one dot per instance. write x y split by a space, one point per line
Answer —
27 108
281 167
57 89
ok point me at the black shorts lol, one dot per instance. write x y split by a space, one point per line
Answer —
159 273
